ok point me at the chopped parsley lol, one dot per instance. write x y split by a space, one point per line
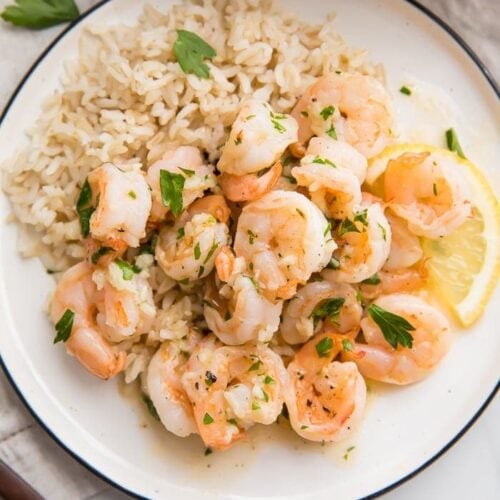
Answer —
324 161
384 232
328 228
150 406
452 142
171 186
190 50
207 419
346 345
251 236
396 329
255 405
405 90
64 326
180 233
362 217
331 132
266 396
346 454
278 126
329 308
188 172
269 380
126 269
132 194
255 366
305 114
325 113
201 270
250 117
347 226
324 346
372 280
210 378
197 251
333 264
300 212
99 253
84 208
213 248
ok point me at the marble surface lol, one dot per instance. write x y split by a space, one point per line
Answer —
470 469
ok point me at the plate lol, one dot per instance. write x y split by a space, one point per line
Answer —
404 429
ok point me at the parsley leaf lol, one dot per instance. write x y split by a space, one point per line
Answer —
405 90
64 326
190 50
197 251
362 217
126 269
39 14
171 186
324 346
329 308
269 380
394 328
331 132
325 113
324 161
453 144
188 172
99 253
84 208
213 248
347 226
372 280
346 345
151 407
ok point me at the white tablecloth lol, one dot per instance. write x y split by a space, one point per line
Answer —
471 469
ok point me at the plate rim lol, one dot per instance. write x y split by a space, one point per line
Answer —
496 89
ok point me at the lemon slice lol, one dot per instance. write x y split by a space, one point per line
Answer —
463 266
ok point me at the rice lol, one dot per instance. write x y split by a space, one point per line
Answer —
125 100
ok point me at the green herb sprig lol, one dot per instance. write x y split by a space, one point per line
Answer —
396 329
40 14
190 51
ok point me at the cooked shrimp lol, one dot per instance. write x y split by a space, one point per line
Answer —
364 244
257 139
165 387
326 398
124 301
250 186
340 153
335 191
75 292
187 250
213 204
428 192
400 280
350 107
238 313
317 303
188 162
284 238
232 388
378 360
405 246
112 188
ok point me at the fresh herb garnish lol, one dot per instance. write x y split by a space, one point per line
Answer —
197 251
210 378
328 228
150 406
132 195
300 212
333 264
255 405
213 248
190 50
64 326
346 454
362 217
347 226
372 280
180 233
171 186
84 208
207 419
305 114
405 90
189 173
201 270
277 125
329 308
324 346
255 366
452 142
126 269
99 253
251 236
269 380
266 396
394 328
39 14
331 132
325 113
346 345
324 161
384 232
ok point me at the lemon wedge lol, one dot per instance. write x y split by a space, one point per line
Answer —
463 266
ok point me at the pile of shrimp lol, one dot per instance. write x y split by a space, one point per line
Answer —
293 260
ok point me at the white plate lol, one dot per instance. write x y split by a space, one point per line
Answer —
404 428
